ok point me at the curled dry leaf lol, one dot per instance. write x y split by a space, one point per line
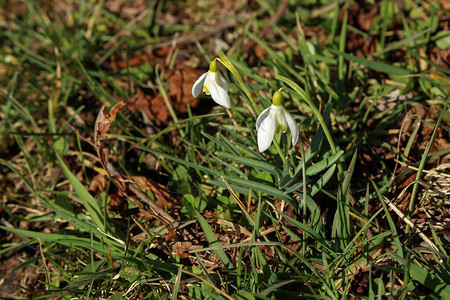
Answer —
98 184
104 121
101 128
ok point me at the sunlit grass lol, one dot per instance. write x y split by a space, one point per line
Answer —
189 207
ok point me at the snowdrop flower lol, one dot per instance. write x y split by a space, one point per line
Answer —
213 84
272 120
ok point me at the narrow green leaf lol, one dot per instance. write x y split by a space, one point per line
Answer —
296 184
310 232
323 164
412 138
231 167
257 186
212 240
374 65
426 278
342 45
249 152
217 141
235 187
322 181
392 225
180 161
348 175
398 44
294 86
89 202
176 285
252 163
69 240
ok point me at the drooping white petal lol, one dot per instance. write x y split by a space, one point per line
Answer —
262 117
218 93
292 126
198 85
267 130
223 82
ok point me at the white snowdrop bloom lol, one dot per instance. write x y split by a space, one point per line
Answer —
272 120
212 83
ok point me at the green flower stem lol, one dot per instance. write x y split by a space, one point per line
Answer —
326 131
277 146
229 65
296 88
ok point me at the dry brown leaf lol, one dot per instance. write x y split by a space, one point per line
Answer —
445 4
126 9
182 248
180 81
163 197
104 121
98 183
444 58
101 127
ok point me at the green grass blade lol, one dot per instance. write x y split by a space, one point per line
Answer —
251 162
425 277
262 187
374 65
323 164
212 240
322 181
392 226
313 234
89 202
412 138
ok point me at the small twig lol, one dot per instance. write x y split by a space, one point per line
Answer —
261 234
47 271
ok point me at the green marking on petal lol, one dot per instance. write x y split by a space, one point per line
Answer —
205 89
281 128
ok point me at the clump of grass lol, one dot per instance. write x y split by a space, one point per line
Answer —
326 218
